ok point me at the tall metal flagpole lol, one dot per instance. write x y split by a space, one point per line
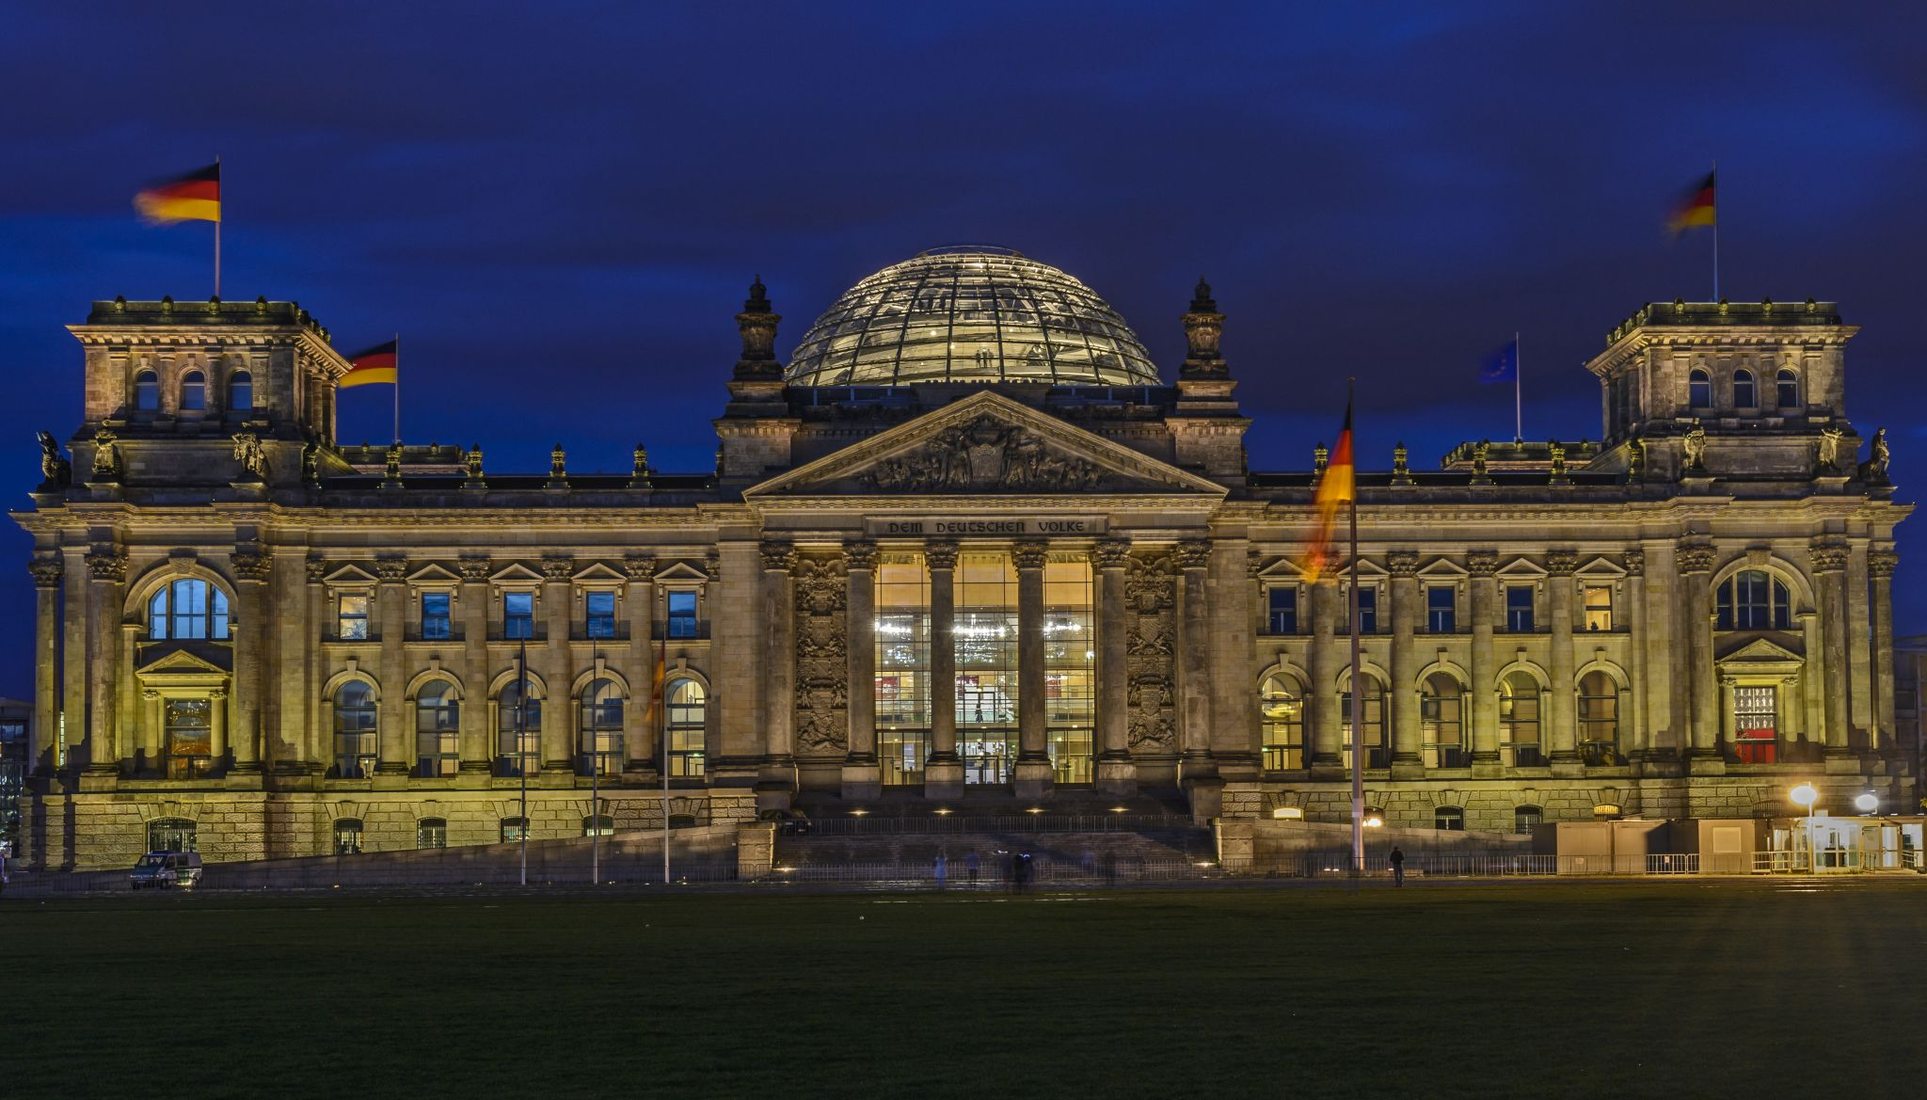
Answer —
1716 230
595 761
521 756
1518 402
662 738
220 213
1357 677
397 387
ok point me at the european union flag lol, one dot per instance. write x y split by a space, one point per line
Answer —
1501 365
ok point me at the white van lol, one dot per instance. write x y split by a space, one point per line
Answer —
164 869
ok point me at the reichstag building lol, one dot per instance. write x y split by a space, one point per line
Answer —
970 545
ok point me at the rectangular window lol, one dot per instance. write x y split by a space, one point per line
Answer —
1756 723
1441 609
1070 667
518 615
902 667
682 615
351 618
1367 610
600 609
1599 607
1282 607
435 623
1518 608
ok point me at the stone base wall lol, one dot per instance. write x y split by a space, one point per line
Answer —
109 829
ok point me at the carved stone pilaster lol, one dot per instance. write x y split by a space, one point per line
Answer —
1694 557
778 556
1561 563
558 568
391 570
107 563
1192 554
1150 643
822 650
1827 555
317 568
1030 555
861 556
474 568
639 567
1882 563
1112 554
1402 563
47 572
251 563
1634 562
1482 563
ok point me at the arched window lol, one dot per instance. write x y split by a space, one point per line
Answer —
193 391
147 392
355 730
514 829
172 834
1745 396
517 720
1788 385
1699 389
187 608
1449 819
348 836
438 749
1753 599
1441 709
1282 702
1371 722
1519 719
688 714
1527 818
431 832
1598 718
240 392
599 825
600 738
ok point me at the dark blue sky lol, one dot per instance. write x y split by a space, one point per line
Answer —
558 206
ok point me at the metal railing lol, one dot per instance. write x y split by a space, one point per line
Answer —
957 824
999 874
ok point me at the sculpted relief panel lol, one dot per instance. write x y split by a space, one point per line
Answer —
985 454
822 649
1150 641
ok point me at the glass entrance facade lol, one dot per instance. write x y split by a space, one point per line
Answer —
903 667
985 630
1070 666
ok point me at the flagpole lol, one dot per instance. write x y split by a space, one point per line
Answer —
398 387
219 214
521 738
594 753
1716 230
662 737
1518 402
1358 680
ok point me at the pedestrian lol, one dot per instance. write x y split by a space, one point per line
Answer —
970 864
943 868
1023 872
1398 867
1016 871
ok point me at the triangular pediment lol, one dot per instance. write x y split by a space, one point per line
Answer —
350 576
180 663
433 574
680 572
598 573
515 573
1760 650
985 445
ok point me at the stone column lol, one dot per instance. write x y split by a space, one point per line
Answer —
1636 733
1193 557
295 632
41 753
1485 689
1116 774
1033 774
1880 565
1829 560
1403 693
1859 624
217 727
107 568
477 737
1322 662
71 722
1564 738
643 714
252 568
1232 660
127 719
861 777
943 771
778 773
320 730
392 744
1695 568
558 734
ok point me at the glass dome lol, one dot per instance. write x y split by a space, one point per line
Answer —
970 315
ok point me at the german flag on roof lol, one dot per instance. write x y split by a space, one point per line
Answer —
377 364
193 197
1696 208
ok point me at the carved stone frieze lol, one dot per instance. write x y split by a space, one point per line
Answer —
986 454
1150 644
821 591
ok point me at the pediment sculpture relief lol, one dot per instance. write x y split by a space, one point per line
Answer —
985 454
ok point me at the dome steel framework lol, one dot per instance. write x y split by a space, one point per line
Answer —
970 315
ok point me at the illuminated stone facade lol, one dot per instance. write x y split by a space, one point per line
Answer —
998 587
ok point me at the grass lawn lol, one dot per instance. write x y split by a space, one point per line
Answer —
1545 989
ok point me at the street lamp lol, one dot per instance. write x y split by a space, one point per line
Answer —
1867 803
1805 795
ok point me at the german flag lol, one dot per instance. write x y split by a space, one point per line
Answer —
377 364
1695 208
1336 486
195 197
